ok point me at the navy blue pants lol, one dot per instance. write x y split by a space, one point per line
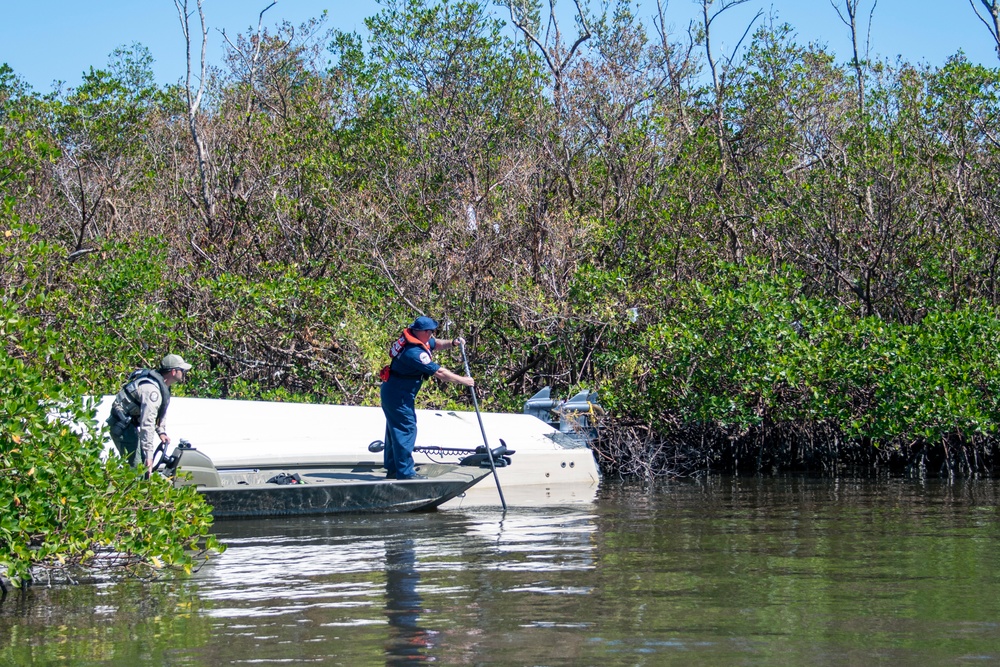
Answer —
400 433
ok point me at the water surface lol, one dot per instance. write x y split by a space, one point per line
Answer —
776 571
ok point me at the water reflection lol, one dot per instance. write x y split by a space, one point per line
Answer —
408 642
417 586
747 571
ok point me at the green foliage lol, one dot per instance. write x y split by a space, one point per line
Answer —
107 111
313 339
747 351
108 308
462 96
583 214
66 507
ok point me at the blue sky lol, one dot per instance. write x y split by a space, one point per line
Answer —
48 40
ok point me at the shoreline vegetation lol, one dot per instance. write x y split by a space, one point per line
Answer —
773 263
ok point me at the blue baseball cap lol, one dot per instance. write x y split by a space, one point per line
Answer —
423 324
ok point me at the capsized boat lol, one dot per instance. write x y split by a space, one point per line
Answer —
295 488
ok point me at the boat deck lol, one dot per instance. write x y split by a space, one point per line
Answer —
335 475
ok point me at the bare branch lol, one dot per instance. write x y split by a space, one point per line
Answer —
851 21
195 102
251 64
993 26
583 37
557 64
732 56
673 73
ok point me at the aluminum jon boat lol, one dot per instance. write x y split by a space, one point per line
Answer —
292 488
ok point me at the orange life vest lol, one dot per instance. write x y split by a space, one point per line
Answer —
397 347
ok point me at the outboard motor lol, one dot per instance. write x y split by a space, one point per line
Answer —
198 469
575 417
542 405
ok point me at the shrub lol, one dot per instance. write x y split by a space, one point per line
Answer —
769 377
68 507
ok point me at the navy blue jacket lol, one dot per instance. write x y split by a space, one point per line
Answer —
408 371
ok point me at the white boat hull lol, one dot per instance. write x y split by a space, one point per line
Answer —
546 464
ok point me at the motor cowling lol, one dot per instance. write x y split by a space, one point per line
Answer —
188 466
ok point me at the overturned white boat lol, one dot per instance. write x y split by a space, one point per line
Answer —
554 461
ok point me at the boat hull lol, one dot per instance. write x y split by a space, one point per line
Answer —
342 492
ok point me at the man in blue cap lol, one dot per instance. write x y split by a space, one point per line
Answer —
411 362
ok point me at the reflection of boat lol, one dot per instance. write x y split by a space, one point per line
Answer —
292 487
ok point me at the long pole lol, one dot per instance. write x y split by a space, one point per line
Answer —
489 452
